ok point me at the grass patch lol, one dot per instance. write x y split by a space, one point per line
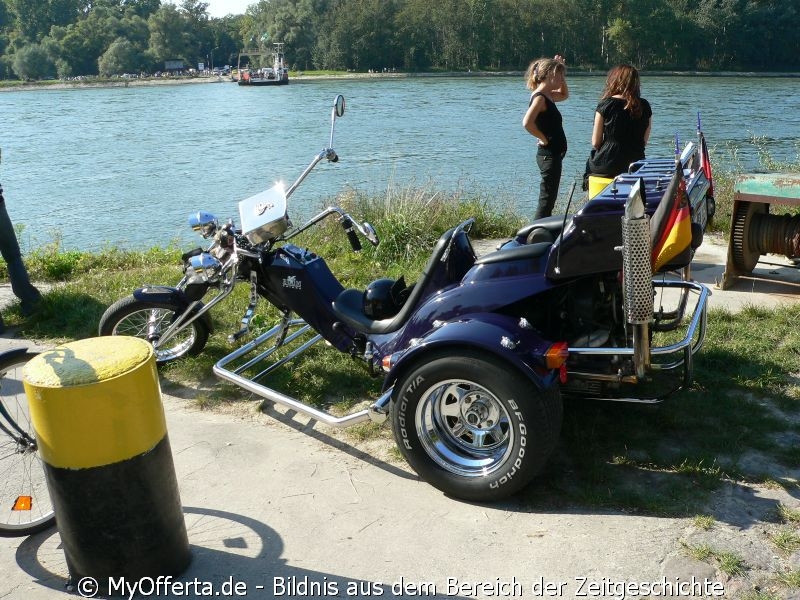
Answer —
701 552
412 220
704 522
729 563
789 515
365 431
786 540
791 579
760 595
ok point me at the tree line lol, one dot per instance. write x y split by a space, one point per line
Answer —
69 38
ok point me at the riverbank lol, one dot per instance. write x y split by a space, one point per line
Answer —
106 83
8 86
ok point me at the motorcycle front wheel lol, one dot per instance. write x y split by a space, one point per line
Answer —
148 320
473 427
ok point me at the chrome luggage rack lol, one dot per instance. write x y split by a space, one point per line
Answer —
284 333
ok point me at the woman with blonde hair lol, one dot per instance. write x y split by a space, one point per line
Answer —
546 80
622 124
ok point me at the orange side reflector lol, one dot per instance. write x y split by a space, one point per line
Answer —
556 355
23 503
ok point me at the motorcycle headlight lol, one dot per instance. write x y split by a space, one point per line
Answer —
205 267
204 223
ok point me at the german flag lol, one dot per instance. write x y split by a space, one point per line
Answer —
677 234
705 163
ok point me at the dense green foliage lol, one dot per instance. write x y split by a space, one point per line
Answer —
67 38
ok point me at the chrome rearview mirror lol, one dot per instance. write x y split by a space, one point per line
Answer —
338 105
204 223
370 233
337 111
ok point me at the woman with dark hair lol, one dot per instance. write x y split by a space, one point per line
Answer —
622 124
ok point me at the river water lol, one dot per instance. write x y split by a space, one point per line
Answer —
125 166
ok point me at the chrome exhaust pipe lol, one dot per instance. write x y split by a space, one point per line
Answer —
637 276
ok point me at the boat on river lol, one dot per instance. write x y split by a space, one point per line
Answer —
277 74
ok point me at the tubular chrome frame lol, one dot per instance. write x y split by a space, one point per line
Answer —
691 343
289 330
377 412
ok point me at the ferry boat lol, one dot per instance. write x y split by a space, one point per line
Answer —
277 74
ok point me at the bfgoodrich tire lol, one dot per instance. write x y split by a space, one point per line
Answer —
148 320
473 426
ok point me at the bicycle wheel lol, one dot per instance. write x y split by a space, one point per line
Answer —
25 505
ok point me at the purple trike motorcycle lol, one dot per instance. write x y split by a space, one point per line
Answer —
478 353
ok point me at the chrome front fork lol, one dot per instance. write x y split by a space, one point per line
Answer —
251 309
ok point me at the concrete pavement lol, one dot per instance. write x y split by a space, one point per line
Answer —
277 506
774 281
268 498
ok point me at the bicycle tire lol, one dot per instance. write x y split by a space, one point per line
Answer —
25 505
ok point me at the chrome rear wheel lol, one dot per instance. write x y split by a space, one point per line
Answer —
464 428
473 425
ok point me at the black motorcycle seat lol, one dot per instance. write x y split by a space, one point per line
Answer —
552 225
528 251
349 304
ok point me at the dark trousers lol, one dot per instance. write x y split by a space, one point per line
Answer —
20 283
550 168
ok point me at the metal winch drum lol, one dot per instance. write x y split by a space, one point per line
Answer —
754 231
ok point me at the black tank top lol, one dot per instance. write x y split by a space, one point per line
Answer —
549 123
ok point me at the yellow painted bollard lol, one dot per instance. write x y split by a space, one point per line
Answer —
96 407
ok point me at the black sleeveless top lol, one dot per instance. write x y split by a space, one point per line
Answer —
549 123
623 137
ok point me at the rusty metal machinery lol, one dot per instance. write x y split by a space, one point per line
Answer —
754 231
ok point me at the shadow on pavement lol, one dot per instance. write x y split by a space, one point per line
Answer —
232 555
308 428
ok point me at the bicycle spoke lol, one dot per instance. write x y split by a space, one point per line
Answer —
25 505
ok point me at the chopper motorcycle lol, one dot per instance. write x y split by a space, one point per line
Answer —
477 353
